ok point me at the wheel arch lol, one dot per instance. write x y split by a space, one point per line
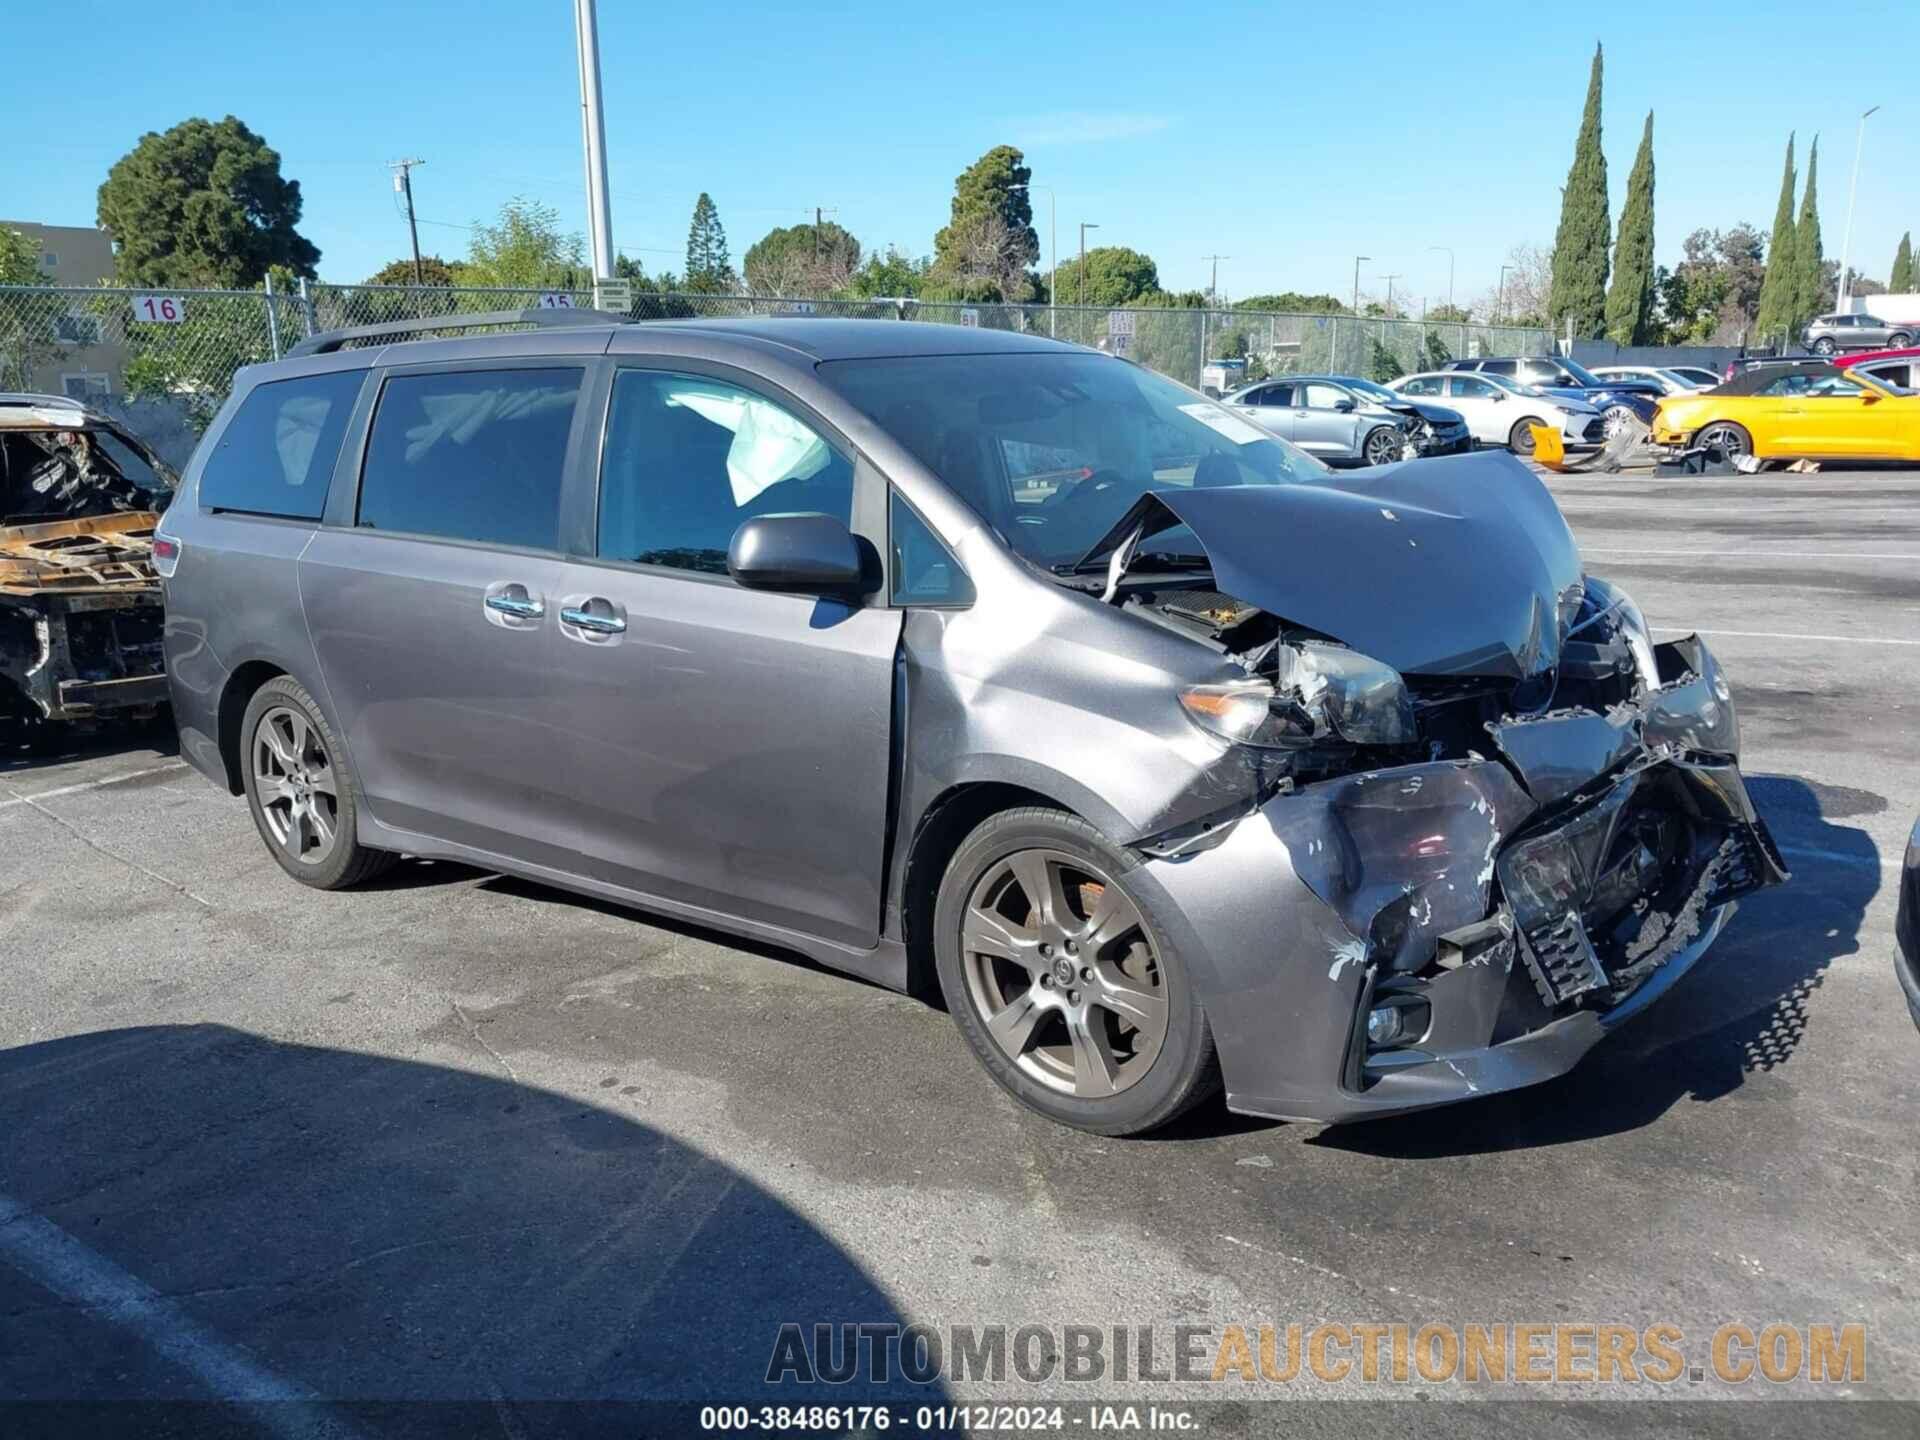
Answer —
239 689
943 827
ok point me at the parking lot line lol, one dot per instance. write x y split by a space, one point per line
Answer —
89 784
1745 554
1786 635
50 1256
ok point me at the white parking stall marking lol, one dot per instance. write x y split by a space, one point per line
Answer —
1786 635
20 799
38 1248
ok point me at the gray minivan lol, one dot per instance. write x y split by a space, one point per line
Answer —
987 667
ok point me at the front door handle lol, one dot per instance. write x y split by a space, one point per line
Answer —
519 605
599 624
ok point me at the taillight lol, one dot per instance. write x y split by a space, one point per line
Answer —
166 554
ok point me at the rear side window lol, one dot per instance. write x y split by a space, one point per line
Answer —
471 455
277 453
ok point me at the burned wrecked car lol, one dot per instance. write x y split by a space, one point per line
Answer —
977 664
79 600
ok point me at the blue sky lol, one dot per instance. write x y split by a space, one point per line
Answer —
1288 137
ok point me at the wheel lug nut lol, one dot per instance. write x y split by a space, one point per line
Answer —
1046 982
1073 997
1071 947
1045 949
1086 972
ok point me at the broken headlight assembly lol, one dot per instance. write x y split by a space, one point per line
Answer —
1318 692
1607 616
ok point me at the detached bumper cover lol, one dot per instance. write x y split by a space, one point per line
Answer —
1523 905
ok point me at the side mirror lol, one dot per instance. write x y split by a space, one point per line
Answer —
1499 397
1345 407
798 554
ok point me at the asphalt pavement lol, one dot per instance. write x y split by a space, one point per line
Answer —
462 1138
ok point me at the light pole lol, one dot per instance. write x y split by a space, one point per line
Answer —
1502 302
1430 250
1846 244
1356 281
1053 247
1080 280
593 133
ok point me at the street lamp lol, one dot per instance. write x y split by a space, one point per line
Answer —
1430 250
1356 281
1053 246
1846 244
1080 281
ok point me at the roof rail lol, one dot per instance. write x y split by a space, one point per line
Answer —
328 341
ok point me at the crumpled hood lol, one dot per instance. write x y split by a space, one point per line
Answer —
1454 566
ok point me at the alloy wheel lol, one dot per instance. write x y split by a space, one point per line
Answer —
1063 972
1728 439
296 785
1382 447
1615 419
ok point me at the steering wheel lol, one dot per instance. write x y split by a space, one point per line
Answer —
1099 483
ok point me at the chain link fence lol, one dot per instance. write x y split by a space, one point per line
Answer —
163 361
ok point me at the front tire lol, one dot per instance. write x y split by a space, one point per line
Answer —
1823 346
1899 340
1725 436
1381 447
302 791
1062 981
1615 419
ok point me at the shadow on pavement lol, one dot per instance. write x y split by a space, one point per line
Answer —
1742 1009
369 1229
48 744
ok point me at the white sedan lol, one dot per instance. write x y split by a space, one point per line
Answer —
1502 411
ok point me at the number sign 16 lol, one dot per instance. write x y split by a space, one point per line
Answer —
160 309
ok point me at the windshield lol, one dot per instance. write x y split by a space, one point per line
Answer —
1051 449
1378 392
1585 377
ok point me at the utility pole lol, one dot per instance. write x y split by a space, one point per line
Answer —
1213 290
1356 281
1080 281
1846 244
1390 279
819 218
593 137
403 182
1501 304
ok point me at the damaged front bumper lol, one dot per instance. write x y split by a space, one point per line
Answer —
1492 917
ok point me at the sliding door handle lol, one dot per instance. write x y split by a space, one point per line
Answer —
599 623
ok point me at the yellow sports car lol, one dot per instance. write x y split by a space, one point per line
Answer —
1812 413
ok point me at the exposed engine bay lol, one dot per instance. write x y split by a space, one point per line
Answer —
80 606
1511 832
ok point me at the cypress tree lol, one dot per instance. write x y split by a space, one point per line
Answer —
708 265
1778 285
1809 291
1901 281
1630 301
1579 290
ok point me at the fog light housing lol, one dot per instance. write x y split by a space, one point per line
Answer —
1398 1020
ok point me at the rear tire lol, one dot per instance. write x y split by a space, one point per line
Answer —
1074 1003
1823 346
1520 438
302 789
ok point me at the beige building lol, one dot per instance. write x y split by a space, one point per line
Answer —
87 363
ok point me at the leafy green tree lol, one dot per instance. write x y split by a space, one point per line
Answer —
1437 353
988 245
203 204
1292 302
1113 275
1900 282
1448 315
1579 292
1776 313
524 248
1382 364
1630 301
1712 296
894 275
802 259
19 259
433 271
709 269
1811 294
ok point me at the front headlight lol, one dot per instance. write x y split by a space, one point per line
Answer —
1606 612
1318 692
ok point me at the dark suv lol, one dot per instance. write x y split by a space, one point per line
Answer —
1616 400
976 664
